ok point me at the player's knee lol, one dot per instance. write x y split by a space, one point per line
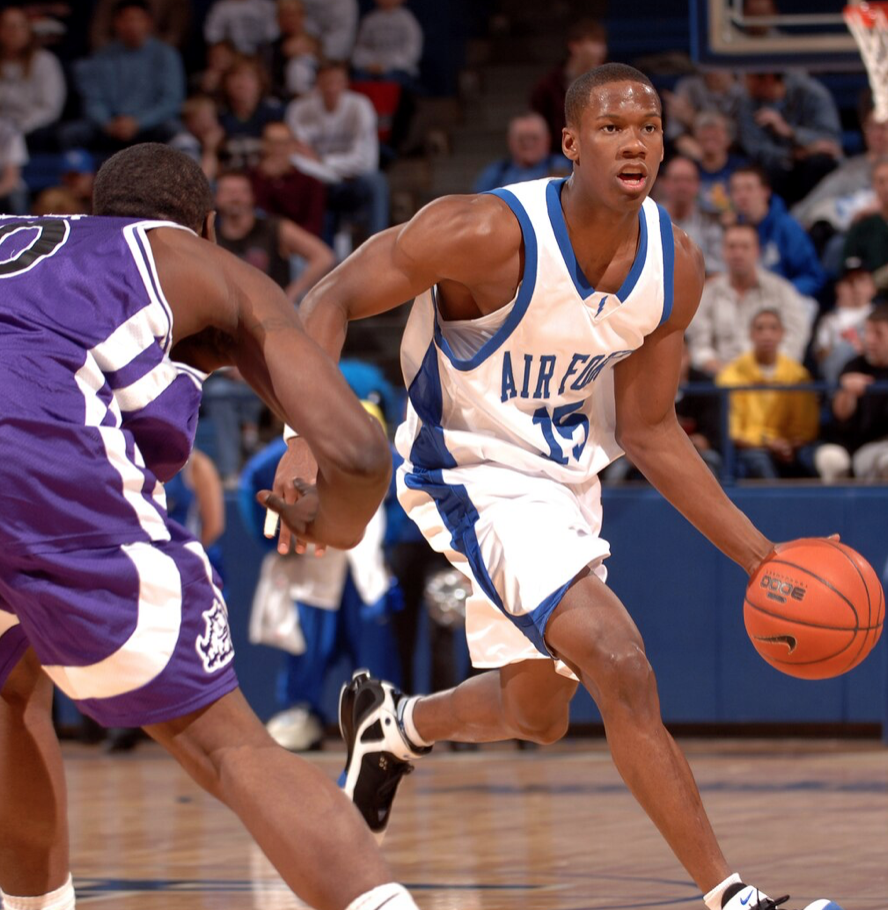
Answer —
622 675
543 729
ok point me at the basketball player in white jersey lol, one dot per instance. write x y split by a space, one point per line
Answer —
545 339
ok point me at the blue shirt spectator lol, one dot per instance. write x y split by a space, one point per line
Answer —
529 156
789 124
786 249
132 89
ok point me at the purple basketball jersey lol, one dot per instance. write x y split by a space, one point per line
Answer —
94 415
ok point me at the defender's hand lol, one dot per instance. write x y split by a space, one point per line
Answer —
296 462
296 515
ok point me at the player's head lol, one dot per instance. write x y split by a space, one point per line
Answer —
614 133
151 180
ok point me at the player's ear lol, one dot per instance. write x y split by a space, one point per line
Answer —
570 144
208 231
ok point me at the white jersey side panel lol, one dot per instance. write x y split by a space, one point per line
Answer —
537 396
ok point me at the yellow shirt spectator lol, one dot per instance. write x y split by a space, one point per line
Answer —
755 418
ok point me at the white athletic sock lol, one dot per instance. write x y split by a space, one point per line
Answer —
60 899
410 727
713 900
391 897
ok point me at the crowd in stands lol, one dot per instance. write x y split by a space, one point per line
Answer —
295 108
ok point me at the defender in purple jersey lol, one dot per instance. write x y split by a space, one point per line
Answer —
108 326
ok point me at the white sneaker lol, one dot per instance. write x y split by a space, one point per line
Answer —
750 898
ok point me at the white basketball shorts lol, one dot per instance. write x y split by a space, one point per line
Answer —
520 539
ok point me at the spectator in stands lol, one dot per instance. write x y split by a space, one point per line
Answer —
529 156
860 417
202 134
334 606
715 91
389 44
847 193
245 111
789 124
171 21
132 89
772 432
586 49
839 334
32 85
867 239
785 247
13 157
719 332
335 24
282 189
680 188
711 149
296 54
220 57
250 25
268 243
57 200
78 175
337 142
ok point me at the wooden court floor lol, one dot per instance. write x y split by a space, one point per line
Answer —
502 829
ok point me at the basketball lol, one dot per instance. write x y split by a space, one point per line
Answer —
814 609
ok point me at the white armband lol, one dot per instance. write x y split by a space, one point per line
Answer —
289 433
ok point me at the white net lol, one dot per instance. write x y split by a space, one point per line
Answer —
868 23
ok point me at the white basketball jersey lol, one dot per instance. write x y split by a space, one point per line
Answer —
536 393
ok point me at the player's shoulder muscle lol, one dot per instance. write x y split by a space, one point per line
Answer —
690 275
461 237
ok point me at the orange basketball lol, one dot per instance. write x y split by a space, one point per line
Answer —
814 609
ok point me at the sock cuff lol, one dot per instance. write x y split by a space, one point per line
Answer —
408 727
391 896
60 899
713 899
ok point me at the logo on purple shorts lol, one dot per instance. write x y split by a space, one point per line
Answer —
214 646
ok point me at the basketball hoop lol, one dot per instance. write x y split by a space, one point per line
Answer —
868 23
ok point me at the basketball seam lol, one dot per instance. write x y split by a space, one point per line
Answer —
812 625
869 608
823 581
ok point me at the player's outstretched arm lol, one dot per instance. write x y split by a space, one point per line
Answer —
473 241
470 240
227 312
645 385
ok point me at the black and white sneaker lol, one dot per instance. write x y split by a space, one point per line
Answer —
379 753
748 898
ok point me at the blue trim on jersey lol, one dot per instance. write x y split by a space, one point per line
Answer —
525 292
429 455
668 239
460 517
581 283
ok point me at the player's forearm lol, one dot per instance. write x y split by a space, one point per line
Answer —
346 505
667 458
844 405
324 320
